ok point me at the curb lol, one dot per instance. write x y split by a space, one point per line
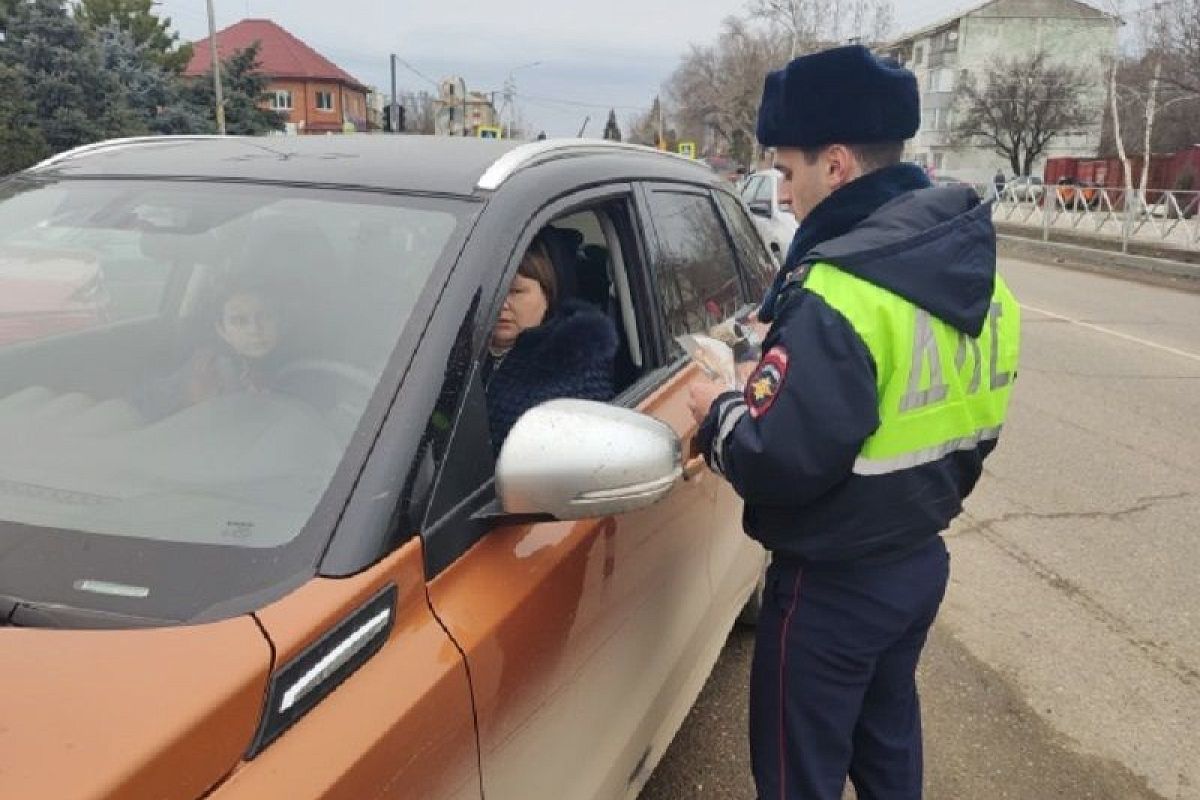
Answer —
1158 270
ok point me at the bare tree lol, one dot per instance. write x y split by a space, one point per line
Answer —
418 112
649 128
716 88
1175 34
812 24
1174 123
1021 105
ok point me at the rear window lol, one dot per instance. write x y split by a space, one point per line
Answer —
182 368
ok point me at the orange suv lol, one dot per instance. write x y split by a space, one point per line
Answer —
318 581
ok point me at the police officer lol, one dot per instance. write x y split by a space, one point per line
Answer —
883 386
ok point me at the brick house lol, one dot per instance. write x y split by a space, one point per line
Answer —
317 95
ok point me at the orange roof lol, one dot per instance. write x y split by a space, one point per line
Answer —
281 54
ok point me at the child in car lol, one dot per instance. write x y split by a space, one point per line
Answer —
242 356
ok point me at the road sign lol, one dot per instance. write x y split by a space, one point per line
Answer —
490 132
687 149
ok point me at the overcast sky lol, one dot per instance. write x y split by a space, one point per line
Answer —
594 55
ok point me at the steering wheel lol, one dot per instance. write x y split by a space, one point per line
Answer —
353 387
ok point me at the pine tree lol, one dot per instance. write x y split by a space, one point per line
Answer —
21 143
156 96
147 28
75 100
244 88
612 131
7 9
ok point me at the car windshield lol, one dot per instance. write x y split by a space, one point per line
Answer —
183 367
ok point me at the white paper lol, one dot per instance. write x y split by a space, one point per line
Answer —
714 357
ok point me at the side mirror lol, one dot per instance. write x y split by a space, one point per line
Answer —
761 208
574 459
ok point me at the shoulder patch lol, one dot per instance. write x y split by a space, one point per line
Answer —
766 381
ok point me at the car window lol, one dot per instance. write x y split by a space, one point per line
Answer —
765 191
758 267
694 267
218 422
750 187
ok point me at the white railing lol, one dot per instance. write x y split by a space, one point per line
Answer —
1163 217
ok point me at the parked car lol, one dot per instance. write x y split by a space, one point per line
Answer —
329 587
771 207
1025 188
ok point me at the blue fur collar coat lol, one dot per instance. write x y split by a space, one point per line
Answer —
571 354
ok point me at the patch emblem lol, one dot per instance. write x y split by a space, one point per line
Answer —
766 381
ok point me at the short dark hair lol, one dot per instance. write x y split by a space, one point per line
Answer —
872 157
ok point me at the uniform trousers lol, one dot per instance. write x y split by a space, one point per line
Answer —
833 684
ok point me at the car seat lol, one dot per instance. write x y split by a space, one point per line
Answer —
594 283
562 244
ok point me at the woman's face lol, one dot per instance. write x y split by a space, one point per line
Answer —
249 326
525 307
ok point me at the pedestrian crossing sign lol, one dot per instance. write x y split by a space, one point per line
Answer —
489 132
687 149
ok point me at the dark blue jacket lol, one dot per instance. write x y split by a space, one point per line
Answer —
569 355
792 463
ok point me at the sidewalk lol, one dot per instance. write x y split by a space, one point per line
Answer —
1149 263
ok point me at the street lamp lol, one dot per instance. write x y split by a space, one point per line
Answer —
510 90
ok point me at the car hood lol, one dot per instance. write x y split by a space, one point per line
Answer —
163 713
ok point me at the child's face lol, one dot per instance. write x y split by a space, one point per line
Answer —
248 325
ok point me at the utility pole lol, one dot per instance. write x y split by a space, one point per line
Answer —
216 66
392 115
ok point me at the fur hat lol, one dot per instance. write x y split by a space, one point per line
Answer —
846 95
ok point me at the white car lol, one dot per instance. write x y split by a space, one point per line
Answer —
772 213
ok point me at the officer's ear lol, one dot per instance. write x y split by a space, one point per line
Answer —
841 166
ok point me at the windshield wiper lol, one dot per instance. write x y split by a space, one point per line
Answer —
23 614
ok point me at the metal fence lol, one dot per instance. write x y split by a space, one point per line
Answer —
1165 218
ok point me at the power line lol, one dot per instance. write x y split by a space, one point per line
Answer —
418 72
578 103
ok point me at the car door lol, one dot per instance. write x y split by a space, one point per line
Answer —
704 275
585 641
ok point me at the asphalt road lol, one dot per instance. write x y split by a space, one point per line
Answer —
1066 660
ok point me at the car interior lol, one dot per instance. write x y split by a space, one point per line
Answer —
588 259
78 450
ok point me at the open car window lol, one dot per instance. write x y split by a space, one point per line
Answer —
157 424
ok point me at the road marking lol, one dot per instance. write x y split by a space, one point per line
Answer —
1118 334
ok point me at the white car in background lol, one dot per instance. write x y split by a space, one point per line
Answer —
771 209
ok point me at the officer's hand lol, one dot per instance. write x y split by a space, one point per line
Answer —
701 395
761 329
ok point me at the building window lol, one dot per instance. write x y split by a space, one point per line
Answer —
325 101
918 55
281 100
938 160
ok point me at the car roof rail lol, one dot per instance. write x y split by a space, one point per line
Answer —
113 144
532 152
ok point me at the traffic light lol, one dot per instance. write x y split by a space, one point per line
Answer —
393 118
